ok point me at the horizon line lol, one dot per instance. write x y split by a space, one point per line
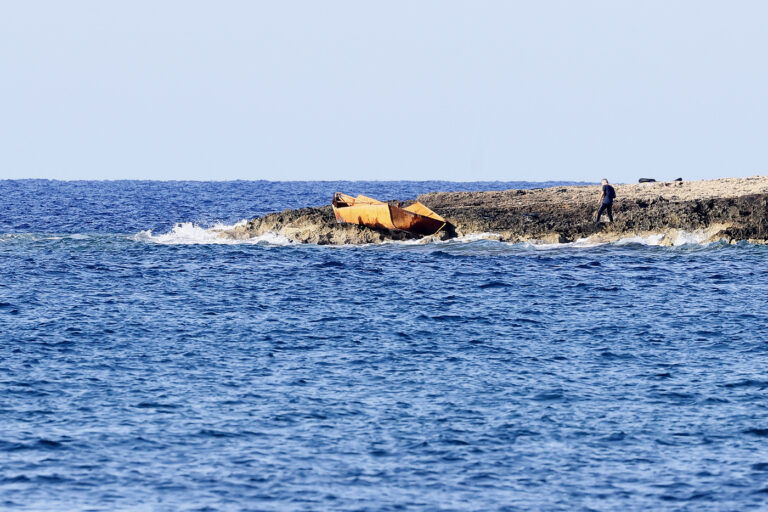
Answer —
292 180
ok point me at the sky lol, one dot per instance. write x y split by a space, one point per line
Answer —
383 90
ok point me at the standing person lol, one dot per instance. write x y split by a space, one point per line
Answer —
606 201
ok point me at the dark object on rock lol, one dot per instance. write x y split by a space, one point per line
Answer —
678 179
646 180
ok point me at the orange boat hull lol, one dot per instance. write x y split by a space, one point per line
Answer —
367 211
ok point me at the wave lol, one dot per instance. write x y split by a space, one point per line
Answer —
672 238
676 238
464 239
492 244
188 233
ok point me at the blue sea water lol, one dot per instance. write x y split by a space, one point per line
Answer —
145 367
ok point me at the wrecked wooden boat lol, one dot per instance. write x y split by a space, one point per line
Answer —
367 211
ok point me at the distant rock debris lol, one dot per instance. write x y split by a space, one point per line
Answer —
646 180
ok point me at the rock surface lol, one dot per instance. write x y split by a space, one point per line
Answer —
730 208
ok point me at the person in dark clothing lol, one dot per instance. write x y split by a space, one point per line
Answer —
606 201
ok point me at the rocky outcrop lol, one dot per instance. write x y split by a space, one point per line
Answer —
733 209
314 226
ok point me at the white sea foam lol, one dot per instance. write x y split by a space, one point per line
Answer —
464 239
696 237
546 246
672 238
188 233
475 237
270 239
655 239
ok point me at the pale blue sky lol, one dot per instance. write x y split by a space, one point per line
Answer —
457 90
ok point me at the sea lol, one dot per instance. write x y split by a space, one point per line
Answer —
147 364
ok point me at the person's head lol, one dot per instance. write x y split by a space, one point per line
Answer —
605 181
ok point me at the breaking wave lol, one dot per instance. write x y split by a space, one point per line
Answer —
673 238
188 233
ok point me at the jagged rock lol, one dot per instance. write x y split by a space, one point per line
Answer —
730 208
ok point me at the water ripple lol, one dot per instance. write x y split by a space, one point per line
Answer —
457 376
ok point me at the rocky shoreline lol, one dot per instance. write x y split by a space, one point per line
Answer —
733 209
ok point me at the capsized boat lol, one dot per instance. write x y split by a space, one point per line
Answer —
367 211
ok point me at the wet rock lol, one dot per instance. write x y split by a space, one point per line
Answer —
314 226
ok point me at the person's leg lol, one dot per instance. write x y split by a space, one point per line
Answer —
609 211
600 212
